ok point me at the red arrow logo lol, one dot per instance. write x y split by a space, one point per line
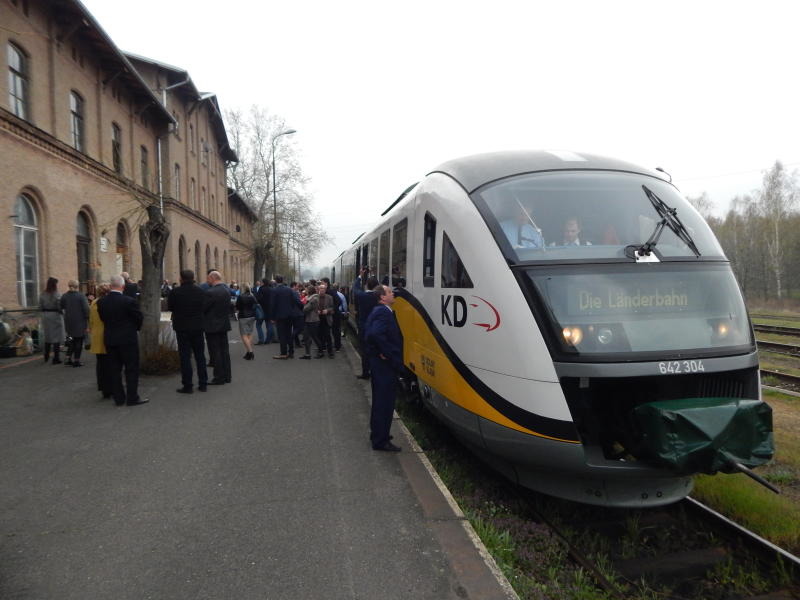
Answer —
496 316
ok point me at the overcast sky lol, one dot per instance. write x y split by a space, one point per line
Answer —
381 93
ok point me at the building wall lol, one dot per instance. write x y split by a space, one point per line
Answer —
36 158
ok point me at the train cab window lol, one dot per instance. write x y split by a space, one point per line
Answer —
399 250
428 251
454 275
383 260
590 215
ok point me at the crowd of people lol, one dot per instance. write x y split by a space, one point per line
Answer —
300 317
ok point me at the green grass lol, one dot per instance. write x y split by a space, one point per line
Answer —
774 517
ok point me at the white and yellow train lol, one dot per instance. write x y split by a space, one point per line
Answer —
544 297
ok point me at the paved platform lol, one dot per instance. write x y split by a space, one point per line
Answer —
264 488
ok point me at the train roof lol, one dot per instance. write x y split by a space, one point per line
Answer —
479 169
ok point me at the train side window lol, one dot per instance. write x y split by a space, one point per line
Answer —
373 257
383 259
428 251
359 264
333 274
454 274
399 241
365 255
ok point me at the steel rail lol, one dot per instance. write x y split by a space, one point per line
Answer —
785 377
790 349
764 545
795 331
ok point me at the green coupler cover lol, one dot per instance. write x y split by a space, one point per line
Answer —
705 435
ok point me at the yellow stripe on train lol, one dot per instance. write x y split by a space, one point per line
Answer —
430 365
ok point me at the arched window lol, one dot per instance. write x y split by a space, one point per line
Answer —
177 182
182 255
212 210
26 234
197 272
193 194
203 207
123 252
191 138
76 120
83 241
17 81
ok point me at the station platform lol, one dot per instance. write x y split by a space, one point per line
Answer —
265 488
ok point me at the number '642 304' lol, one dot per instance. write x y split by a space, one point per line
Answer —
675 367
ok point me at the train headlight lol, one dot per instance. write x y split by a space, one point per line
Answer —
723 330
605 336
572 335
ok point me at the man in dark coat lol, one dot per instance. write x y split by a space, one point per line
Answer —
264 297
365 301
217 324
122 320
283 303
76 319
384 343
186 303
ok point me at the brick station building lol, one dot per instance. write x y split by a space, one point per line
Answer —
88 135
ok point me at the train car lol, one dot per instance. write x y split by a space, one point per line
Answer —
574 320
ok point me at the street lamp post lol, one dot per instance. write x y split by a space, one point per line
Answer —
275 199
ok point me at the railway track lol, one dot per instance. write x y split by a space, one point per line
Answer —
685 550
795 331
788 349
792 382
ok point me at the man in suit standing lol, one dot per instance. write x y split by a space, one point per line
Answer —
217 324
186 303
385 350
283 303
122 320
365 301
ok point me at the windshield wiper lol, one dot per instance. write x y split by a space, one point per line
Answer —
669 218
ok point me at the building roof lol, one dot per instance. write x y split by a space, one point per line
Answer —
180 78
234 196
72 18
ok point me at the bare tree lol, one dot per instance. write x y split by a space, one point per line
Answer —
703 204
776 199
257 139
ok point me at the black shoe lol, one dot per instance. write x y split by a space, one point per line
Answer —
77 363
184 390
362 377
138 402
216 382
107 396
320 356
387 447
330 355
305 357
56 361
202 387
119 403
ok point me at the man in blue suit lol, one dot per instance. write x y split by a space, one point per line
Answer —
384 345
284 302
365 301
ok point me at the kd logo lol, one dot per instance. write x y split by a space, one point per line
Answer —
455 314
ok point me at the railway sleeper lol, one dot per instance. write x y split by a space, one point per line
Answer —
671 568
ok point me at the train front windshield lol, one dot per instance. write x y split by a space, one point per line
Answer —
589 215
574 228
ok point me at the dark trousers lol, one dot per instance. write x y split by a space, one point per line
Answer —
56 349
336 330
77 348
298 324
191 343
102 371
311 334
362 346
220 354
285 336
325 336
384 385
126 357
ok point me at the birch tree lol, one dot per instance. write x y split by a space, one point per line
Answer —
776 198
